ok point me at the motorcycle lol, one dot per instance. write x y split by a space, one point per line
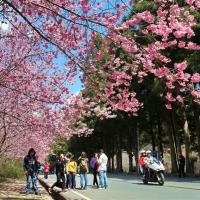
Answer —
154 172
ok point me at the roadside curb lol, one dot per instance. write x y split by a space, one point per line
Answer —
55 195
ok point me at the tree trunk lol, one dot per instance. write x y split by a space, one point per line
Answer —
3 138
160 146
197 125
135 142
130 147
175 132
153 136
172 146
130 155
186 131
119 154
198 135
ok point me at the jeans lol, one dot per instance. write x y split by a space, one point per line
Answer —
103 179
71 181
83 180
32 177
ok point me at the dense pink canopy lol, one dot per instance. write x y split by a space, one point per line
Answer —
35 103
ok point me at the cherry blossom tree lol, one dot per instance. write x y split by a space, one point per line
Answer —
41 30
35 34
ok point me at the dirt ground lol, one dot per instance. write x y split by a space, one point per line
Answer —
15 190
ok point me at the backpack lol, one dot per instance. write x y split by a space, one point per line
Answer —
83 166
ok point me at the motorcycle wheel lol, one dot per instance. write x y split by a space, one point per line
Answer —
145 181
161 178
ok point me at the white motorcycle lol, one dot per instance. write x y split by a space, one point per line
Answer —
154 172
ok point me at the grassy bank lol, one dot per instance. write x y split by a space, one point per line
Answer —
11 169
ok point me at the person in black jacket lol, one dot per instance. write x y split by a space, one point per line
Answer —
31 167
60 173
181 165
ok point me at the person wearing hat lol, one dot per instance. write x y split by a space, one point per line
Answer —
31 167
147 160
148 157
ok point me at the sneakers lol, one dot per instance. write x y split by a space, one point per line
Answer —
103 187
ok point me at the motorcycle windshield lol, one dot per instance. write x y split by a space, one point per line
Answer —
156 161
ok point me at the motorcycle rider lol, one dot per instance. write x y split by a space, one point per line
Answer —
154 170
148 159
141 161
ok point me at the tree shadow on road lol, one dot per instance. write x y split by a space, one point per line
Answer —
16 198
149 184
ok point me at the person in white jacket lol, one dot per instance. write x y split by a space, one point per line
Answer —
149 158
102 169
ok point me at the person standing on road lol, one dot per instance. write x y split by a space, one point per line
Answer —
94 166
83 170
71 173
31 167
46 170
68 156
60 173
181 165
102 169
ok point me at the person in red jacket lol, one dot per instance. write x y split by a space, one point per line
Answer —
46 170
141 161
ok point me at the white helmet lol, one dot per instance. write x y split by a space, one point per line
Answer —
148 152
142 151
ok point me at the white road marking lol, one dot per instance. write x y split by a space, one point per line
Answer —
81 195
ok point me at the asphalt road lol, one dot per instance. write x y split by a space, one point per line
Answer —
131 188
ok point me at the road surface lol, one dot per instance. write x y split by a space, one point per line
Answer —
131 188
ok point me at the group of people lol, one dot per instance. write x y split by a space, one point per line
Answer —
66 168
146 157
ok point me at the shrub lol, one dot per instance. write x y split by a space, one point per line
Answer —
11 169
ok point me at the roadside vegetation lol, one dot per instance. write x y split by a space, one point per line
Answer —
11 169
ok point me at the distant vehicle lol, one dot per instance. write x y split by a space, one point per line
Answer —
154 172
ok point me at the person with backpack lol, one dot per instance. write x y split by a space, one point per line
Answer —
94 166
83 170
31 167
71 170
